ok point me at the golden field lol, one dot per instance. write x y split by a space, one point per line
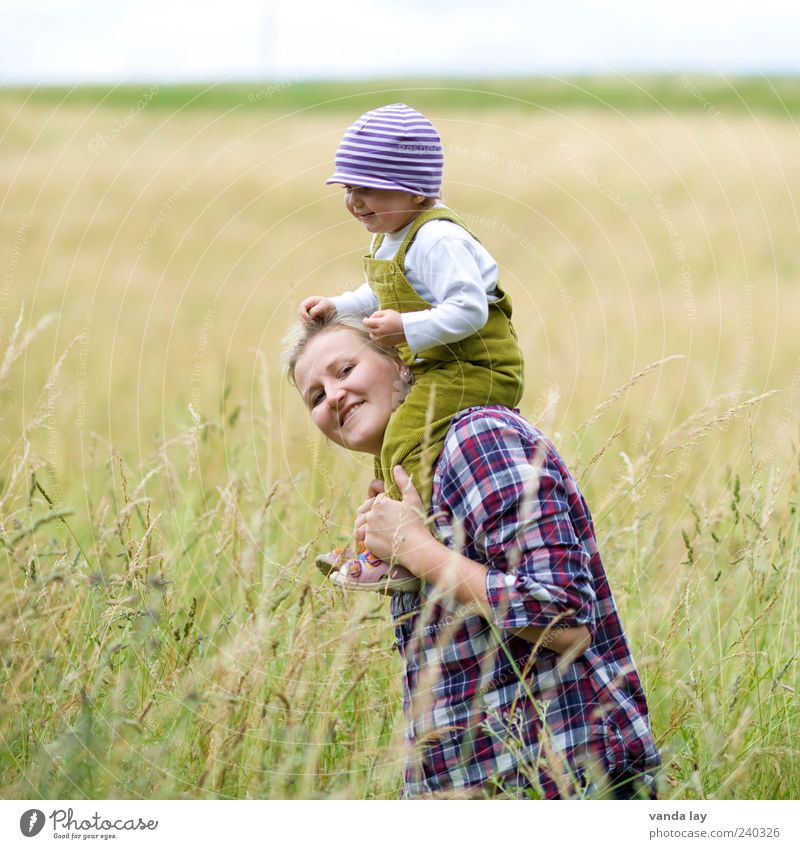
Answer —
163 630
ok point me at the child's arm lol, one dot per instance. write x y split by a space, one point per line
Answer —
444 324
360 302
440 325
461 307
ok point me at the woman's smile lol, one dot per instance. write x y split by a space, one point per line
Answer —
348 412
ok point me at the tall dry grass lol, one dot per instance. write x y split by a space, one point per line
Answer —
162 630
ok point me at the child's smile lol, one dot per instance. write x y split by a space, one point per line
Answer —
382 210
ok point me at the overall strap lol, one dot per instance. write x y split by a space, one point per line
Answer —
377 241
438 213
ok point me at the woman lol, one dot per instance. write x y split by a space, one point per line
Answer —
518 676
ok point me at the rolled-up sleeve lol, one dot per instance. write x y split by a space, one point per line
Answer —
510 496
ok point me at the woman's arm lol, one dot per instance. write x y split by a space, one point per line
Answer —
394 529
465 581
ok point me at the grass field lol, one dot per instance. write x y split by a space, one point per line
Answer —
163 632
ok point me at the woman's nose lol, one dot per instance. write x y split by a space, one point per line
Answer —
334 395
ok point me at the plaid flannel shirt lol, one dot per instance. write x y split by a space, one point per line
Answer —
481 707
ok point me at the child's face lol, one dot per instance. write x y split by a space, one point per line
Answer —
382 210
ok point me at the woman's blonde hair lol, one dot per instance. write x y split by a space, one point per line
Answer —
301 333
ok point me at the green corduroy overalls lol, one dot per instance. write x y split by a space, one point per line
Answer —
484 368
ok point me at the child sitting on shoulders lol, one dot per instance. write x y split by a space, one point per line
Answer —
431 292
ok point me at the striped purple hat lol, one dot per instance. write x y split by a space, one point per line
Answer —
394 147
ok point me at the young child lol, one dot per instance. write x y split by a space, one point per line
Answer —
431 291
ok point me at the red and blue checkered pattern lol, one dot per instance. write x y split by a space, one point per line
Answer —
481 707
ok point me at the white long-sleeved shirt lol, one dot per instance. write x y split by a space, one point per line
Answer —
446 267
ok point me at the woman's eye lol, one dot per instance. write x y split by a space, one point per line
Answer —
317 398
345 370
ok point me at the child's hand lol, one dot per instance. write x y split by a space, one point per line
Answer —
316 307
375 488
385 328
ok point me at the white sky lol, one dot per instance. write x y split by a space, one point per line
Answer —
68 41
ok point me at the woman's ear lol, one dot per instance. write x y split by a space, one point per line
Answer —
402 386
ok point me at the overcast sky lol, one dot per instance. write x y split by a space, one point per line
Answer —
69 41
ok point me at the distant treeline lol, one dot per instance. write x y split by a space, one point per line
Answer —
670 93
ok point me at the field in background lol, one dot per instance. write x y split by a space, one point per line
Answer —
162 630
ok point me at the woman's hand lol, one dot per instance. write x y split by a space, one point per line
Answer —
397 529
394 529
385 328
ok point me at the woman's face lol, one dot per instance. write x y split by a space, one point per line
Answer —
349 388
